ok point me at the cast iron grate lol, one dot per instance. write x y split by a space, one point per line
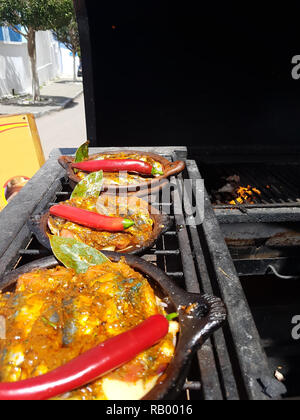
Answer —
197 258
278 184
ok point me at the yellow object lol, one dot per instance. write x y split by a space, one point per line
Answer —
21 154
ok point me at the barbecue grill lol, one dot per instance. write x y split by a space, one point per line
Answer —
161 74
232 365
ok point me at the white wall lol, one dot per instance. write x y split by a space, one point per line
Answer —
49 63
67 62
15 71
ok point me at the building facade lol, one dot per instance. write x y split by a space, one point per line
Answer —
53 60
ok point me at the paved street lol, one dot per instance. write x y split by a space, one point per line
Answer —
55 95
65 128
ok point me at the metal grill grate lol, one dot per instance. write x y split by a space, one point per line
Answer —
197 259
279 185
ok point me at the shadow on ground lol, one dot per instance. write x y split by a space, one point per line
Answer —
46 101
71 104
64 82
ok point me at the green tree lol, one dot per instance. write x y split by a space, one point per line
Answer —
69 36
26 17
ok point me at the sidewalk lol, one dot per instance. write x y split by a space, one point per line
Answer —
56 96
63 129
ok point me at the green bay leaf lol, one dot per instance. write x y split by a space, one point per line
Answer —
90 186
75 254
82 152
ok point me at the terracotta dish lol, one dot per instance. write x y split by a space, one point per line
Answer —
199 316
138 244
142 185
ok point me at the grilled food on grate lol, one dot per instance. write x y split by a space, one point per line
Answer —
55 315
127 181
124 178
148 228
136 235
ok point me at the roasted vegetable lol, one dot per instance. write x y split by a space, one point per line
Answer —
56 315
91 365
118 165
132 208
91 219
123 178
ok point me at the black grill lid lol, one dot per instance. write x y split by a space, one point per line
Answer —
162 72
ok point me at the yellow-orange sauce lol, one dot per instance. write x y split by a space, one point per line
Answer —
132 208
55 315
123 179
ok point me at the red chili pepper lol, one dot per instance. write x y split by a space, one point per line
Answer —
91 219
91 365
117 165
